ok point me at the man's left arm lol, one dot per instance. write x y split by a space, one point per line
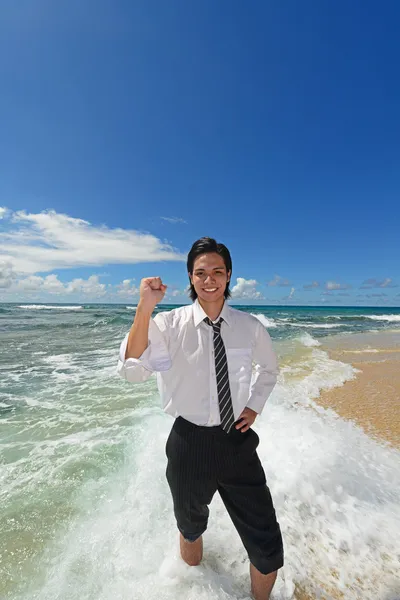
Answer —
263 379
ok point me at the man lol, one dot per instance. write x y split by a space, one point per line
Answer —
203 355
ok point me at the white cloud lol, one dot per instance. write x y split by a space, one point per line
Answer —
48 240
311 286
32 283
278 280
7 274
3 212
246 288
87 287
381 295
175 292
127 288
376 283
174 220
289 296
51 285
332 285
388 282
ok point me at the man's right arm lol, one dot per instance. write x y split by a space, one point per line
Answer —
145 347
138 338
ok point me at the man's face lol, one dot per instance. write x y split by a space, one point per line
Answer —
210 276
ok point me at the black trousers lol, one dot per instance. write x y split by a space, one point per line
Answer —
202 460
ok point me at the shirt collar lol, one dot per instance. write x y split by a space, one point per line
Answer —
199 315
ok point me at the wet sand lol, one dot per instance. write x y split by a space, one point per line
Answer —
372 399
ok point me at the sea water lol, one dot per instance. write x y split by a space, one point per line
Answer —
86 513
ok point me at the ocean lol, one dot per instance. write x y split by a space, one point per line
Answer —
86 512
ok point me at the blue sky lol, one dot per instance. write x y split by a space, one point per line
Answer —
130 129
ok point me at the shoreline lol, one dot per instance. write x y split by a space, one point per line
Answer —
372 398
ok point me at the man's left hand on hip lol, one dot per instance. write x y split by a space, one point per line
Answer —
246 419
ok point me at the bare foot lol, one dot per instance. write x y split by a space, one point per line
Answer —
191 552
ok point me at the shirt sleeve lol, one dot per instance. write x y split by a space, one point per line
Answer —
266 370
155 358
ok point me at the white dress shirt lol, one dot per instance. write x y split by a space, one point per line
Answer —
181 353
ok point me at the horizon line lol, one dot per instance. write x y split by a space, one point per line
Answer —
174 304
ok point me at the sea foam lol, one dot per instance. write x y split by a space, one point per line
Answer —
48 307
390 318
266 321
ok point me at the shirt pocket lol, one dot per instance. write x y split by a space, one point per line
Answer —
239 364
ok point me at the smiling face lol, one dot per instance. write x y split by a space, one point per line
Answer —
210 277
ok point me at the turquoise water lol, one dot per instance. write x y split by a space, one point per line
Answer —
281 320
86 512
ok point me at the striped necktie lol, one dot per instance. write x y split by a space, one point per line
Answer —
221 372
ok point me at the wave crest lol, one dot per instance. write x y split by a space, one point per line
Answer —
48 307
267 322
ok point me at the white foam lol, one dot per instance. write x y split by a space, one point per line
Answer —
68 368
59 360
326 374
317 325
307 340
365 351
335 492
390 318
48 307
131 307
266 321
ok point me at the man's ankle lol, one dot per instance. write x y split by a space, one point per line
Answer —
191 552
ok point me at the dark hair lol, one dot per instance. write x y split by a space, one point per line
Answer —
207 245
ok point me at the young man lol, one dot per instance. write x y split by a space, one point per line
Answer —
203 355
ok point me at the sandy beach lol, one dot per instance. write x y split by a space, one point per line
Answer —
372 399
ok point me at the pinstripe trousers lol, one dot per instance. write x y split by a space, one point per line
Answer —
203 460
